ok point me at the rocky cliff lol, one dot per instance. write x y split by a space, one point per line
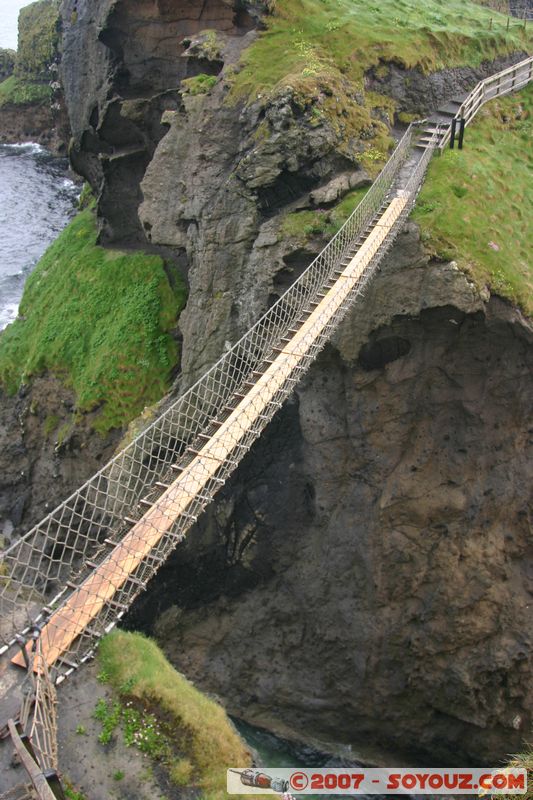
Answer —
366 575
31 101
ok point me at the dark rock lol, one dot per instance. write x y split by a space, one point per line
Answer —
365 577
419 93
133 57
29 455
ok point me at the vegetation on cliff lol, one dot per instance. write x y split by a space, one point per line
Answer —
475 206
38 41
163 714
7 63
100 320
315 38
322 49
322 222
18 92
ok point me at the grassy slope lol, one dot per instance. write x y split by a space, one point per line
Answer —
482 196
20 92
322 49
100 320
310 38
203 740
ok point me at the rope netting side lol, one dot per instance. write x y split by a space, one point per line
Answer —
43 731
37 568
189 486
38 710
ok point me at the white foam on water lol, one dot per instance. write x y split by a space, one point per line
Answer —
8 314
37 199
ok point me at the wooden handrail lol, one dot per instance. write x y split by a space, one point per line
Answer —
504 82
38 780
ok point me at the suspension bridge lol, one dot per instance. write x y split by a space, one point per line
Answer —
69 580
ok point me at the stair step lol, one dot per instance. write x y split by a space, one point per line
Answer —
432 124
450 108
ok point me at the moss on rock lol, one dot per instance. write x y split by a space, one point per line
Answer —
39 30
7 63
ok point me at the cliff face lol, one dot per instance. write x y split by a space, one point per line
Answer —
135 54
366 575
31 101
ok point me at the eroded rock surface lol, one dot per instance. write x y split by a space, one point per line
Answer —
367 576
133 57
45 453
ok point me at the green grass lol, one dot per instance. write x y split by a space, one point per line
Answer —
322 50
21 92
475 206
202 740
200 84
496 5
322 222
99 320
325 40
521 761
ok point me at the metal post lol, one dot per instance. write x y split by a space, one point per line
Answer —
22 643
452 137
462 124
55 784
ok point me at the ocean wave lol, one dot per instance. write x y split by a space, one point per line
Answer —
30 147
8 314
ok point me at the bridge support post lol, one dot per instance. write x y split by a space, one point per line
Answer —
462 124
452 137
54 783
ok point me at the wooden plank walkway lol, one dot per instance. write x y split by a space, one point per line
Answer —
85 602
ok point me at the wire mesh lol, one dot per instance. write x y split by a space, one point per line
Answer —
80 567
43 567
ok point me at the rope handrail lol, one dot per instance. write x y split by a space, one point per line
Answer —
50 554
201 437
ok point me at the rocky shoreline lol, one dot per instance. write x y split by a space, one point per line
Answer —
34 123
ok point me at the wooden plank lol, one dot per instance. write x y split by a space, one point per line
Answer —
37 778
89 598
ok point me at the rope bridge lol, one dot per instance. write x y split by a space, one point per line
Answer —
72 577
76 572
